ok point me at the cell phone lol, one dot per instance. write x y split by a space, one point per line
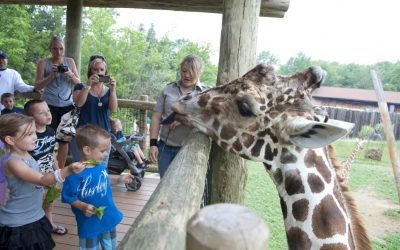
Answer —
104 78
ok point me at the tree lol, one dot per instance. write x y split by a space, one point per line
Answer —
267 58
300 62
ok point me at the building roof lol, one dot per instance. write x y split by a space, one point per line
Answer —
362 95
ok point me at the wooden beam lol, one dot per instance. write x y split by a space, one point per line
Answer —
74 31
269 8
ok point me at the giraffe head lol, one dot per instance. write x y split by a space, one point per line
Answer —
249 114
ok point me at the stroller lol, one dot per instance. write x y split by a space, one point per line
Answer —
120 160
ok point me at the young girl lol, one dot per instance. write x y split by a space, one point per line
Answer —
91 189
23 224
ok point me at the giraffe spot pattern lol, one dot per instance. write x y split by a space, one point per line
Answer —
298 239
283 207
247 139
216 124
237 146
326 226
315 183
255 150
293 182
278 177
203 100
227 132
300 209
312 160
267 166
268 153
287 157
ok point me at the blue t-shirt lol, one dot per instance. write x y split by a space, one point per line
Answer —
13 110
91 113
92 186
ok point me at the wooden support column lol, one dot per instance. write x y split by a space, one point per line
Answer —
74 31
237 56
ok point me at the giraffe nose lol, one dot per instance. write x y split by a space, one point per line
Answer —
170 119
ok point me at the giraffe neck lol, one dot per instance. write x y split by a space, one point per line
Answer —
313 207
344 172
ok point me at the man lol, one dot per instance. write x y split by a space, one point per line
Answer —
10 80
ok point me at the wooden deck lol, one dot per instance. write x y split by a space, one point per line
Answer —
129 203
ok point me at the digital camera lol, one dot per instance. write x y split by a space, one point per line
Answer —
105 78
61 68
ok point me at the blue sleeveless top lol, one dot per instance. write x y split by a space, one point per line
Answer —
24 205
91 113
58 91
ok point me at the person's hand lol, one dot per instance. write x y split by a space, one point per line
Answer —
125 178
153 153
93 79
89 210
174 124
76 167
112 83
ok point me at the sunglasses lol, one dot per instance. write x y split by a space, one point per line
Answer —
97 57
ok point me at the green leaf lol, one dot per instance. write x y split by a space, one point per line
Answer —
2 152
52 194
91 162
99 211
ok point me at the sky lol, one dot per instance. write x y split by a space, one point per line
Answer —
343 31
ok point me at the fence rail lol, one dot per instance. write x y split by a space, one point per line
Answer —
361 118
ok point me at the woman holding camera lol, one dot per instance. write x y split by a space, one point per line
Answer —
97 98
54 76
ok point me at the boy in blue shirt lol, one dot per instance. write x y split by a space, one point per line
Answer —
7 100
90 190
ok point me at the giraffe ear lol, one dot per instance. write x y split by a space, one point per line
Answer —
312 134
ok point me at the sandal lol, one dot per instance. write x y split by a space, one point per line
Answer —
60 230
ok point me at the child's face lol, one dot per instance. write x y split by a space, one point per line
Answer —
41 114
117 126
25 140
98 153
8 102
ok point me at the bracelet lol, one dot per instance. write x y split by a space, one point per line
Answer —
153 142
57 175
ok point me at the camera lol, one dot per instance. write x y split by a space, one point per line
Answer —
105 78
61 68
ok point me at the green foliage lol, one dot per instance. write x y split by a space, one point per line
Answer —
365 132
267 58
390 242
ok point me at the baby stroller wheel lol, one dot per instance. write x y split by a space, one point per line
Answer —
135 184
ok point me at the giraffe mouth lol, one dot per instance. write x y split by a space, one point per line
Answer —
174 116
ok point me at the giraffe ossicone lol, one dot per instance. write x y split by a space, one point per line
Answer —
270 118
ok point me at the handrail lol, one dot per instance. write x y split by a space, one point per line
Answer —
176 198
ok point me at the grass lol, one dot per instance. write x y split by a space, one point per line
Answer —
262 197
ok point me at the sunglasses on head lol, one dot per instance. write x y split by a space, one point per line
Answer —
97 56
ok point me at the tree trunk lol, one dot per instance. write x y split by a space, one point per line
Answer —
237 56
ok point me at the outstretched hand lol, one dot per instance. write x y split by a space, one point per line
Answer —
125 178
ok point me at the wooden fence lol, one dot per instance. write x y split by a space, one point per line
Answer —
361 118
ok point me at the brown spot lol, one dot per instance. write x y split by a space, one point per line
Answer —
293 182
227 132
311 159
203 100
335 246
266 120
269 154
287 157
223 145
248 139
263 108
243 156
270 104
262 133
327 219
253 127
269 96
315 183
217 104
273 114
283 207
338 195
280 108
262 100
278 176
280 98
300 210
267 166
237 146
255 150
297 239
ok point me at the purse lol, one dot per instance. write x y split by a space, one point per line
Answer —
66 130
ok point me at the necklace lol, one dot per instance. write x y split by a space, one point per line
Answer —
99 104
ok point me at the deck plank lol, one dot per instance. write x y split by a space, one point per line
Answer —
129 203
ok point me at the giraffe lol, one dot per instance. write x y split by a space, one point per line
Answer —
265 117
343 173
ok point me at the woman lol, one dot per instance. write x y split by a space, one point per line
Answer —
95 99
54 76
172 136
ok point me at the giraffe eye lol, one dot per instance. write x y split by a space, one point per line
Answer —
244 109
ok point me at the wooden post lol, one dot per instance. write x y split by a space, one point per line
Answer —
237 56
162 222
388 129
143 122
226 227
74 31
